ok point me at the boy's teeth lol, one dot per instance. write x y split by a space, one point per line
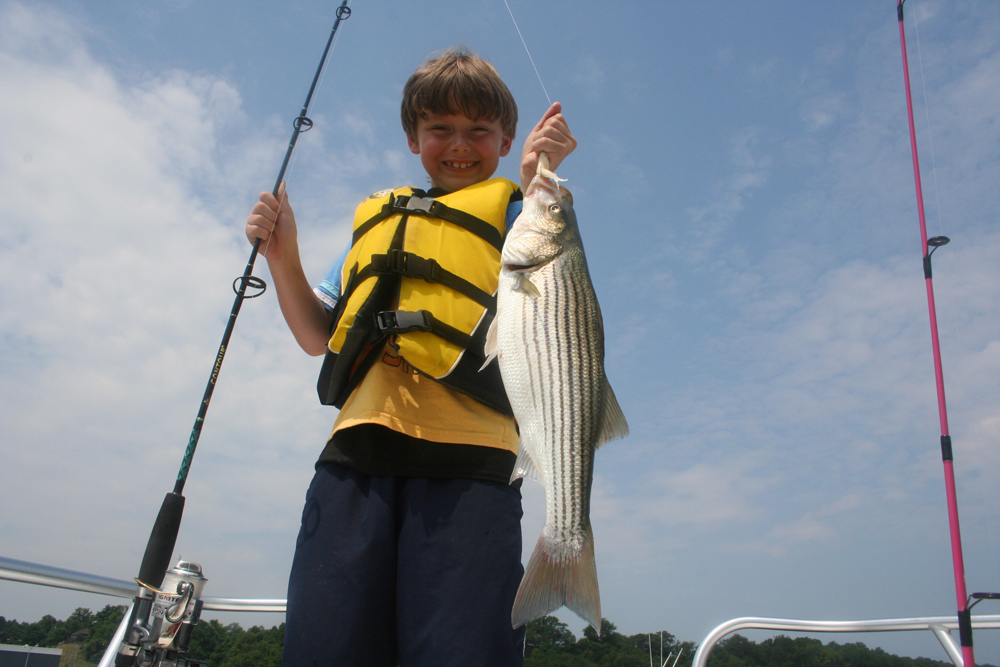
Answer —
461 165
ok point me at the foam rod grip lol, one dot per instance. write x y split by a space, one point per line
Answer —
160 547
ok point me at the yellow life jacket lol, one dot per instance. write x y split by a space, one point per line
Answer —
422 274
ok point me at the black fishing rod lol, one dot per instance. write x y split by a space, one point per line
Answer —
141 634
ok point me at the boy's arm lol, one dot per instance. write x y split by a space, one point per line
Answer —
274 225
552 136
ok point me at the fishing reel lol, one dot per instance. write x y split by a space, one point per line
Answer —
163 619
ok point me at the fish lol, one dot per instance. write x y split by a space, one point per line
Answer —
548 338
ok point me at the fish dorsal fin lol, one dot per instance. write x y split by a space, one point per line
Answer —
525 465
613 426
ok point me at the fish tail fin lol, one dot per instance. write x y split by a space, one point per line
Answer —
555 578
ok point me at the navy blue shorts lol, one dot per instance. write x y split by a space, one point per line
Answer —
404 571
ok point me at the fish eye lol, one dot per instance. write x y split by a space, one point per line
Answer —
555 208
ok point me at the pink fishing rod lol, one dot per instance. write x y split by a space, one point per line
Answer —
929 246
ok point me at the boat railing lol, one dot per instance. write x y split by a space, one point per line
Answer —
57 577
941 626
44 575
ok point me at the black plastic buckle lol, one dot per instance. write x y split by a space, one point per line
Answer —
398 261
397 203
409 265
401 321
394 261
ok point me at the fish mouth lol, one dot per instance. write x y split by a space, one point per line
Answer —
515 268
528 268
542 185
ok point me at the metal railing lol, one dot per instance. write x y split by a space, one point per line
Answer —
44 575
941 626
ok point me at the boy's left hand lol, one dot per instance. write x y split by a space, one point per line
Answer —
552 136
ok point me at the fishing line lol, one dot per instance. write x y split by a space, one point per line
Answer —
991 538
993 547
927 119
343 12
528 52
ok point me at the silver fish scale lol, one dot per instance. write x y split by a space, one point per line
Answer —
552 354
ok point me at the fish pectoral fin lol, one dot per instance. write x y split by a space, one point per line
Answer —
524 284
490 348
554 578
525 465
613 424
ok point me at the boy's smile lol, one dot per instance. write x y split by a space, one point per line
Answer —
456 151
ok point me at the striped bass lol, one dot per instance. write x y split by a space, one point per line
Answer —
548 337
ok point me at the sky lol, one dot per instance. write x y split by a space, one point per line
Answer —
745 192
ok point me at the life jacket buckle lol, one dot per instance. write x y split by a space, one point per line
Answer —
407 264
397 261
419 204
392 262
411 204
401 321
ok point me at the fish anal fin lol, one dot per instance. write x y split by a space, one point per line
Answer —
490 348
613 425
555 578
525 465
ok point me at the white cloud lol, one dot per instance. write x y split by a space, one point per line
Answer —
712 223
822 111
590 77
115 274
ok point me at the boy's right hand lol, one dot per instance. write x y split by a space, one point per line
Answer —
273 222
550 136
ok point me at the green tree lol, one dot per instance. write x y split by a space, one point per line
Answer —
609 648
211 641
256 647
654 644
549 643
548 633
103 626
46 632
10 631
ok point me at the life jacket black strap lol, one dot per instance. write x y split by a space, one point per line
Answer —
410 265
403 321
432 208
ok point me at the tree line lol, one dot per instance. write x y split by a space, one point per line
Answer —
220 645
548 643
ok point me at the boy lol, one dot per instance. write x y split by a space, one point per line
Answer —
410 545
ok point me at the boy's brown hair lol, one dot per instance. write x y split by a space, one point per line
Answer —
458 81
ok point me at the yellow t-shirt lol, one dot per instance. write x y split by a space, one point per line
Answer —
394 395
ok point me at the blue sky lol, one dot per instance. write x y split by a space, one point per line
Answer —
745 191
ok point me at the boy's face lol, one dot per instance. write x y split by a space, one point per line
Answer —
458 152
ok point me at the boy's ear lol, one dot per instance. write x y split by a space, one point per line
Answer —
505 146
413 143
